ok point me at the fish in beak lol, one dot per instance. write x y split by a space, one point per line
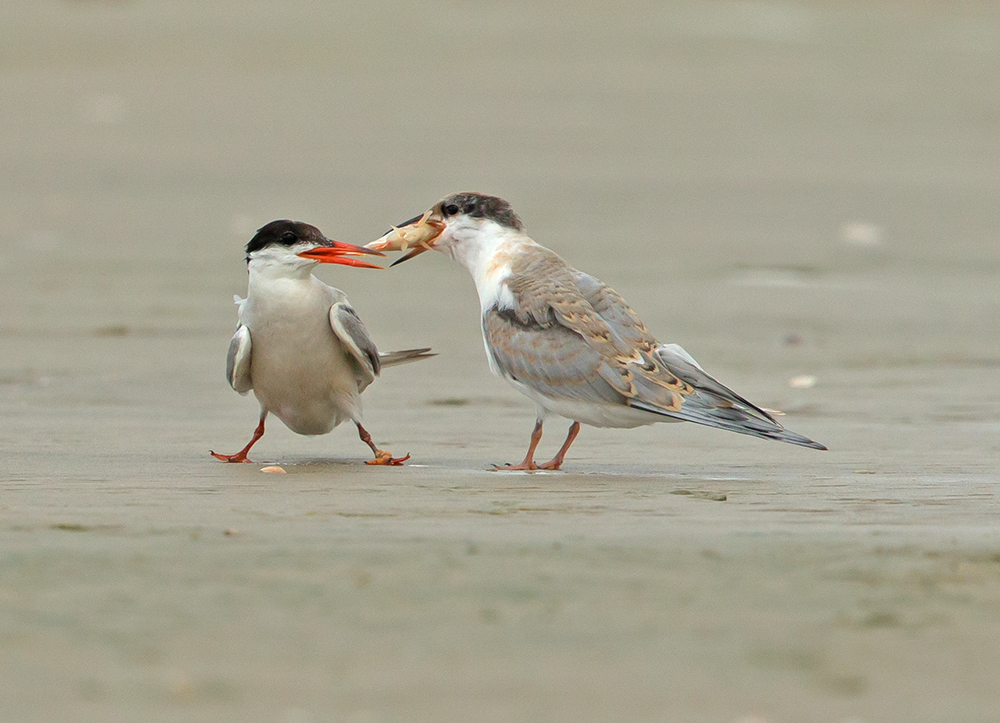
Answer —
419 232
337 252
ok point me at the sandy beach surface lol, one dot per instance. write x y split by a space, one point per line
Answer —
805 195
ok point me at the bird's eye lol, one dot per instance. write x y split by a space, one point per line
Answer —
289 238
450 210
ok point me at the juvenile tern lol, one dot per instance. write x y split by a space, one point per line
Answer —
299 345
567 341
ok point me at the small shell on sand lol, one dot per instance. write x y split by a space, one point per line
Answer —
273 469
805 381
861 233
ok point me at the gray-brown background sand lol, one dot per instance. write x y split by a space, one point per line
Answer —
706 159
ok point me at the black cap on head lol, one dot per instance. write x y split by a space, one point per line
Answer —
479 205
285 233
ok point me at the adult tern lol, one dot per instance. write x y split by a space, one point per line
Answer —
299 345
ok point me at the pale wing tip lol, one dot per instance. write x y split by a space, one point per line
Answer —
405 356
409 352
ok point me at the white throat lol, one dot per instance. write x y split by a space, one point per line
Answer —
278 262
486 249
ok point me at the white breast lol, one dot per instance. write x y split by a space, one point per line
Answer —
487 249
300 371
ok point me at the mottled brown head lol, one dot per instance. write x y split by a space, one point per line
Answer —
479 205
435 228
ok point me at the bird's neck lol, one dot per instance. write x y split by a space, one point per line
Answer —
475 246
488 257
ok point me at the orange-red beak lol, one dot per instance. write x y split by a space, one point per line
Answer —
340 253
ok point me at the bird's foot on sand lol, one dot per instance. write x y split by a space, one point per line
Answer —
522 467
238 457
385 458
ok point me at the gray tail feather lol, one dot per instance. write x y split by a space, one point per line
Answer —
733 420
395 358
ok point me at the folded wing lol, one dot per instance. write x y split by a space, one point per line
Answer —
238 361
349 329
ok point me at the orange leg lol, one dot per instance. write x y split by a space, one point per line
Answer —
381 456
241 456
528 464
556 462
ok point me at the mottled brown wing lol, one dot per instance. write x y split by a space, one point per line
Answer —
617 314
563 307
716 405
568 334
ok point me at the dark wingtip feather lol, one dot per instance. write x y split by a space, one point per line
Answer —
793 438
728 418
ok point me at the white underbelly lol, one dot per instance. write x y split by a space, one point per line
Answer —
596 414
301 374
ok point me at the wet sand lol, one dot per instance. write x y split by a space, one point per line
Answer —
785 189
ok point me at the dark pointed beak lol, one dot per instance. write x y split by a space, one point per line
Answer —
337 252
411 222
414 252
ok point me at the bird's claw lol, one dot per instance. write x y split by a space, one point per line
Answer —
230 457
527 466
385 458
522 467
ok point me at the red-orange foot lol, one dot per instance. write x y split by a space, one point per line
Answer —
523 467
238 457
551 464
385 458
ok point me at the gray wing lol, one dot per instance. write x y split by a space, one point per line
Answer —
621 320
664 379
683 365
238 361
348 327
704 399
552 360
568 335
716 405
